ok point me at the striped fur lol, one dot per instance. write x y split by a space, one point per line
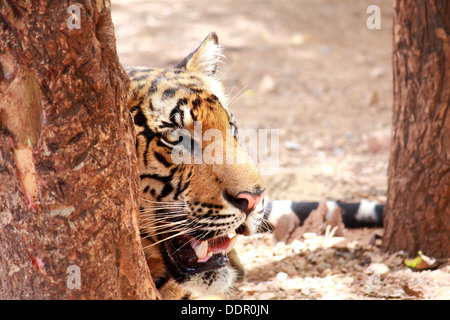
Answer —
184 206
355 215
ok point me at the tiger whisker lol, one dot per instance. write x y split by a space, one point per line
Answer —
235 97
180 233
169 202
158 216
166 226
163 220
161 209
161 223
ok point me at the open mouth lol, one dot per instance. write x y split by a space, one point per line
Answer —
190 255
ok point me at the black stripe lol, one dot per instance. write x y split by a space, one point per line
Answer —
181 188
131 72
190 173
161 159
138 88
187 296
212 99
141 77
168 188
176 109
196 103
140 119
154 86
164 179
169 93
147 144
143 233
165 124
162 280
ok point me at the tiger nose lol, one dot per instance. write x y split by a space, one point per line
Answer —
245 201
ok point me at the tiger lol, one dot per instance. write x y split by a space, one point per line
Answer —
191 212
362 214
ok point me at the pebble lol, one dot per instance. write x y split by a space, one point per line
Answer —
267 296
378 269
282 276
298 246
326 272
291 145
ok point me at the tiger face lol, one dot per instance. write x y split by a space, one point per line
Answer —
191 211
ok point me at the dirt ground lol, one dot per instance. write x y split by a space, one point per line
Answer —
314 71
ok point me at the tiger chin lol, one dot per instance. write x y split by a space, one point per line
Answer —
192 212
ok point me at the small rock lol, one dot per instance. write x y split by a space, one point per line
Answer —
378 269
326 272
267 296
341 244
282 276
279 249
285 226
298 246
322 266
306 291
290 270
291 145
309 235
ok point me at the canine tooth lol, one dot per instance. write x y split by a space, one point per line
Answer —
201 249
232 243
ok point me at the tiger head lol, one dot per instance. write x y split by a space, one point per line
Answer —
192 210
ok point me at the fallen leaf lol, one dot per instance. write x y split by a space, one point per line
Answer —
421 262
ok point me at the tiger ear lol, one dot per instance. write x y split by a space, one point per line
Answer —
205 58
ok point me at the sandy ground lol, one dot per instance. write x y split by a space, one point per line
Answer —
312 70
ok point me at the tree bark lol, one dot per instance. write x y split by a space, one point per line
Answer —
68 175
417 215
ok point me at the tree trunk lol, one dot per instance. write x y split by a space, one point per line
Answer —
417 215
68 175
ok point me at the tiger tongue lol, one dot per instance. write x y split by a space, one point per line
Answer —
205 249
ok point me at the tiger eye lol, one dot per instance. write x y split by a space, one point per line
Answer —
173 136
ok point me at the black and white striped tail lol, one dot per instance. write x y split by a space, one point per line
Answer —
355 215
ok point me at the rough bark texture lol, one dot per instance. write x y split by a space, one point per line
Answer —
68 177
417 216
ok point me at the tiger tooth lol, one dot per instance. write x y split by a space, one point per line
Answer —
232 243
201 249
